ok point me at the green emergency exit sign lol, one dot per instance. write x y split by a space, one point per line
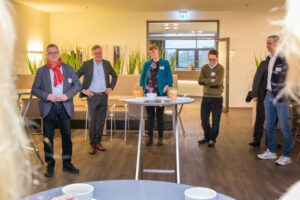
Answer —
183 15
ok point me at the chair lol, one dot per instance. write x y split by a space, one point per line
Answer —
168 112
295 121
34 113
81 111
132 112
30 109
110 114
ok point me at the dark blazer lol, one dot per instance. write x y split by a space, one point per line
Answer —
259 84
41 88
277 79
87 69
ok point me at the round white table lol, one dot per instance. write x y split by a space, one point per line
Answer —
160 101
129 190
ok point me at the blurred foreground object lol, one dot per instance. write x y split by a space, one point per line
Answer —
15 168
290 48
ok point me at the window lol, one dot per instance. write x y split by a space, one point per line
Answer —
202 57
184 42
185 57
188 52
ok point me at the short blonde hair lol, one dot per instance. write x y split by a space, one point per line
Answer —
152 47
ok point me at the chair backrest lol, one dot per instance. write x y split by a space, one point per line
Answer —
33 110
125 84
24 81
134 111
175 81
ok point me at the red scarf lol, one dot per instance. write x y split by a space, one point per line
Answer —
58 76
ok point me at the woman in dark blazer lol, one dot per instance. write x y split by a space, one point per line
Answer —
156 77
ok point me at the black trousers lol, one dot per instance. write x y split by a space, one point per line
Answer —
57 111
97 106
259 121
214 106
159 111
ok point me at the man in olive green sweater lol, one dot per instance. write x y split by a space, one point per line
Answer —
211 77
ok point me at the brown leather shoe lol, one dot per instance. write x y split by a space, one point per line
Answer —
92 150
100 147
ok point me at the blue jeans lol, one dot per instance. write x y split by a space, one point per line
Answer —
280 109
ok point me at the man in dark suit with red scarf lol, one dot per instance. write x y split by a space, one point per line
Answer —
56 84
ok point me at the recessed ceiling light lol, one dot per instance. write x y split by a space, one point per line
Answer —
166 24
200 31
175 24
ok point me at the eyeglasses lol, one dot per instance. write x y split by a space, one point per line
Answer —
212 59
52 53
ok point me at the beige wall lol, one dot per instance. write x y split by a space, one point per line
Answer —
32 28
247 32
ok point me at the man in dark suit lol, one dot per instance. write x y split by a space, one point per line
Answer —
96 86
276 106
259 92
56 84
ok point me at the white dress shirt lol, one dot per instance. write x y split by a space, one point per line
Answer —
270 70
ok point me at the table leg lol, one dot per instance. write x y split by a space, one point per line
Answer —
175 133
181 125
126 117
139 150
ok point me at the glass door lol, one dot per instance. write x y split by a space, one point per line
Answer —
222 45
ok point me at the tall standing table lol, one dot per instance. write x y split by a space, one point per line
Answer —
161 101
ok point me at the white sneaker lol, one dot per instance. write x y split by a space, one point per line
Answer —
283 160
267 155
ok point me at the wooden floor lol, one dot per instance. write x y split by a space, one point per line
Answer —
231 167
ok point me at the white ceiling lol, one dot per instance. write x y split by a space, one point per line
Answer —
148 5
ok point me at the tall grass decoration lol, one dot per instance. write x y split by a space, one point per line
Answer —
141 59
71 58
34 65
257 60
132 62
118 66
172 61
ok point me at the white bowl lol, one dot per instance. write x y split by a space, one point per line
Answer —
200 193
81 191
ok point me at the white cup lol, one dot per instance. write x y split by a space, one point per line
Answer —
81 191
151 96
199 193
